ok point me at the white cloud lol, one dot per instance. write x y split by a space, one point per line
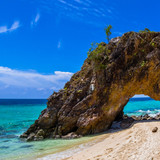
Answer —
14 26
59 44
36 19
78 1
13 78
64 2
3 29
140 96
85 11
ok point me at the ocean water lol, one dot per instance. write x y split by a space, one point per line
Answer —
142 106
17 115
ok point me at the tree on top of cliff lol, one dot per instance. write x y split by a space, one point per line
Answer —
108 32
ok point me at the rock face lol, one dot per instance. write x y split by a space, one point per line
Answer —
126 123
96 95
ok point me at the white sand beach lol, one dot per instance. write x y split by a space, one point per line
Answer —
135 143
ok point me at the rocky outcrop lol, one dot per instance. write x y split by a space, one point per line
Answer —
96 95
127 122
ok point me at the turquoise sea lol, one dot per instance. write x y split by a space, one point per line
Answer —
17 115
142 106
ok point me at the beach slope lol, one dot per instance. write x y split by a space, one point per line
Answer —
137 142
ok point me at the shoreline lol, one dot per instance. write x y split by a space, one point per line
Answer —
84 144
105 142
136 142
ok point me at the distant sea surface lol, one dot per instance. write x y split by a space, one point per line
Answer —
142 106
17 115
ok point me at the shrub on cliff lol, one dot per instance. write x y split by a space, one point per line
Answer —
145 31
95 54
108 32
97 49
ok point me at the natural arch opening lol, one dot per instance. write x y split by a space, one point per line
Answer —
138 108
140 105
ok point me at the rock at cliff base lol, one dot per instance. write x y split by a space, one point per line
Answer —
71 136
126 123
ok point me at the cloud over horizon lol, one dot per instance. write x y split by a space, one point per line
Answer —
23 82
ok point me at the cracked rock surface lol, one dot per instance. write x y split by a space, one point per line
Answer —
96 95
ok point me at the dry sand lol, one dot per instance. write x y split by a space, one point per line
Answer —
135 143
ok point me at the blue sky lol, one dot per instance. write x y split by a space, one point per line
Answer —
43 42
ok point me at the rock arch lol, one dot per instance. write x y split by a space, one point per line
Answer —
95 96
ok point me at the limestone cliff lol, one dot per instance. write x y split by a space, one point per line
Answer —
96 95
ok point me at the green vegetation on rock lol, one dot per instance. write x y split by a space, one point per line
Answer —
143 63
93 99
108 32
95 54
146 30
